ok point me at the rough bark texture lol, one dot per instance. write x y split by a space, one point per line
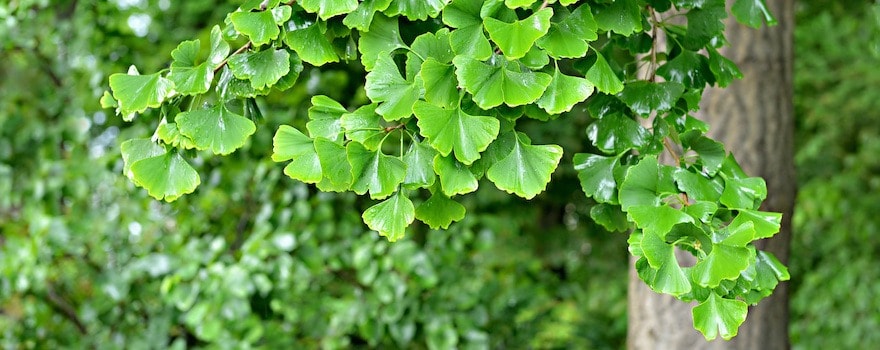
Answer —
754 118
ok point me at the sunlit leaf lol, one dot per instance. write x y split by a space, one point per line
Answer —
439 211
391 217
374 171
451 129
527 169
515 39
719 316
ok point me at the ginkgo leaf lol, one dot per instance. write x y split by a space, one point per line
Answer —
291 144
570 33
325 118
441 87
596 174
639 186
719 316
564 92
263 68
752 13
616 133
438 212
192 80
419 161
385 84
499 81
514 4
455 178
669 277
453 130
165 177
603 77
644 97
374 171
383 37
136 93
657 220
527 169
329 8
697 186
216 129
136 149
623 17
468 39
364 125
259 27
334 164
724 262
362 17
391 217
416 9
515 39
219 47
311 44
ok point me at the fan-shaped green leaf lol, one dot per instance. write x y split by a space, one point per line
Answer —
416 9
668 275
334 164
564 92
623 17
616 133
639 187
259 27
468 39
527 169
391 217
441 87
136 93
455 178
136 149
717 315
362 17
165 177
329 8
438 212
383 37
311 44
515 39
374 171
364 125
603 77
610 217
644 97
324 118
419 161
752 13
385 84
657 219
570 33
697 186
499 81
596 174
291 144
449 130
263 68
216 129
219 47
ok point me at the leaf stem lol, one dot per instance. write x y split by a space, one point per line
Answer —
226 60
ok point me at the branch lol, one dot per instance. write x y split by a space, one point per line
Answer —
63 307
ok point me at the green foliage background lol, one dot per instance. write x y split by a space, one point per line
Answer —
257 259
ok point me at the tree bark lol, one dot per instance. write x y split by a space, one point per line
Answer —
754 118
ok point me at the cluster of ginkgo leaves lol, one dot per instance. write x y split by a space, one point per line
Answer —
444 112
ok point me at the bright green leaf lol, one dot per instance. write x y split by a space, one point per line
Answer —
766 224
416 9
362 17
596 174
669 277
657 220
469 39
570 33
334 163
688 68
136 93
752 13
515 39
419 161
216 129
441 87
745 193
610 217
527 169
564 92
291 144
623 17
725 70
603 77
438 212
324 118
723 263
616 133
697 186
263 68
717 315
374 171
385 84
329 8
136 149
391 217
364 125
639 186
259 27
499 81
449 130
382 38
219 47
311 44
455 178
165 177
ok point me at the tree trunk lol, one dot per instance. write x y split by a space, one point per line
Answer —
754 118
